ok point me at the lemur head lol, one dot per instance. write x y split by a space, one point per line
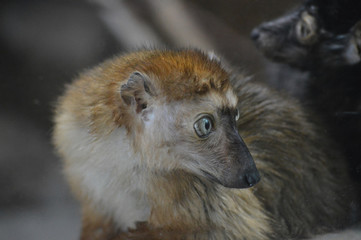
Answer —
301 39
179 112
182 104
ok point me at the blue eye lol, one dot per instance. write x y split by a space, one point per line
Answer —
203 127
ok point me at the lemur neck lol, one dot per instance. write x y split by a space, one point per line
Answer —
185 200
187 203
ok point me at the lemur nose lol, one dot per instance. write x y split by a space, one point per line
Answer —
255 34
252 178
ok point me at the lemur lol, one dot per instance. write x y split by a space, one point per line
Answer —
316 34
324 39
171 144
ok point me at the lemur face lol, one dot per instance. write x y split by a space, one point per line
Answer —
210 145
198 135
221 154
300 40
288 38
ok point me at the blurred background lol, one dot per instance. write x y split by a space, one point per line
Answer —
45 44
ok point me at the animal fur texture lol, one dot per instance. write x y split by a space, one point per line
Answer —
127 132
324 40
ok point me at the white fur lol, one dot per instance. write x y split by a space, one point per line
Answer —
231 97
213 56
351 54
108 172
158 137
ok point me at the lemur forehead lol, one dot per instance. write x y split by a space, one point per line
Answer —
184 74
229 99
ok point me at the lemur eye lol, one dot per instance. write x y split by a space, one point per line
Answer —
203 127
306 29
237 115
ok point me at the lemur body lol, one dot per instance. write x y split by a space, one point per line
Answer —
325 43
152 139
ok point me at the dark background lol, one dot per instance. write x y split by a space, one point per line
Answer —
45 44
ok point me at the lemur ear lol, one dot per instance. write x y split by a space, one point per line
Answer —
357 36
137 91
353 51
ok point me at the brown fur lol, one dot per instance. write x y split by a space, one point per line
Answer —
303 187
177 75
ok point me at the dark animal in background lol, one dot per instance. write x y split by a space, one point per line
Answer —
301 40
160 142
323 38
